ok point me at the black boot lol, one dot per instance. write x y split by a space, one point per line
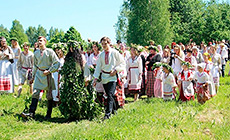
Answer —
49 110
32 109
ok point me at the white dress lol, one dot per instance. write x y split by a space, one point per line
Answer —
216 59
208 69
6 78
16 52
168 84
187 84
57 78
134 69
176 65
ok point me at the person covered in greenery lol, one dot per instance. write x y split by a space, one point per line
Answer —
77 101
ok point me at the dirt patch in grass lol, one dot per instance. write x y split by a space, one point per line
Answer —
214 116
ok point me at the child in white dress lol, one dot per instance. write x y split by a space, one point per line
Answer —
169 83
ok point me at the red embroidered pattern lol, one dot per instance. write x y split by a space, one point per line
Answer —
107 58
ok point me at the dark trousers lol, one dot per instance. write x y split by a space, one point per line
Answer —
223 69
110 91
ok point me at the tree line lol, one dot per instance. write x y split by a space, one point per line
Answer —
165 21
54 35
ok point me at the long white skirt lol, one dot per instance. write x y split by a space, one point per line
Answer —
55 92
6 81
15 72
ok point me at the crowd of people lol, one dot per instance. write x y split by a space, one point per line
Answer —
117 70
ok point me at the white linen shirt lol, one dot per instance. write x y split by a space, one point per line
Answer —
116 62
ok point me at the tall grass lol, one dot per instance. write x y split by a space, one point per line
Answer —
145 119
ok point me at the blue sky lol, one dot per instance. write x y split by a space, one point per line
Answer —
92 18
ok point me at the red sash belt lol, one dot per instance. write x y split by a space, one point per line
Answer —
27 68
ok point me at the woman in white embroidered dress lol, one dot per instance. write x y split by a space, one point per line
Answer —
134 69
185 78
202 88
57 77
208 69
216 69
178 59
16 50
6 78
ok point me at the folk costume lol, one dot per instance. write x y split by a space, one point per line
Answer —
192 62
134 79
202 89
216 60
43 60
168 84
25 66
186 90
158 85
6 74
223 55
208 69
152 59
57 79
108 61
16 52
198 55
177 63
143 55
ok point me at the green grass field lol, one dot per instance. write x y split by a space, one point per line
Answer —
144 119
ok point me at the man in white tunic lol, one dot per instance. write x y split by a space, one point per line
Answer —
25 65
109 63
45 63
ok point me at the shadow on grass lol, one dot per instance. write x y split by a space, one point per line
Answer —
41 118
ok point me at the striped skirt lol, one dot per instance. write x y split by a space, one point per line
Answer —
158 88
150 84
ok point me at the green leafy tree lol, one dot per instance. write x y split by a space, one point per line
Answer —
41 31
4 32
18 32
52 32
187 20
149 19
58 37
31 33
121 26
217 16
